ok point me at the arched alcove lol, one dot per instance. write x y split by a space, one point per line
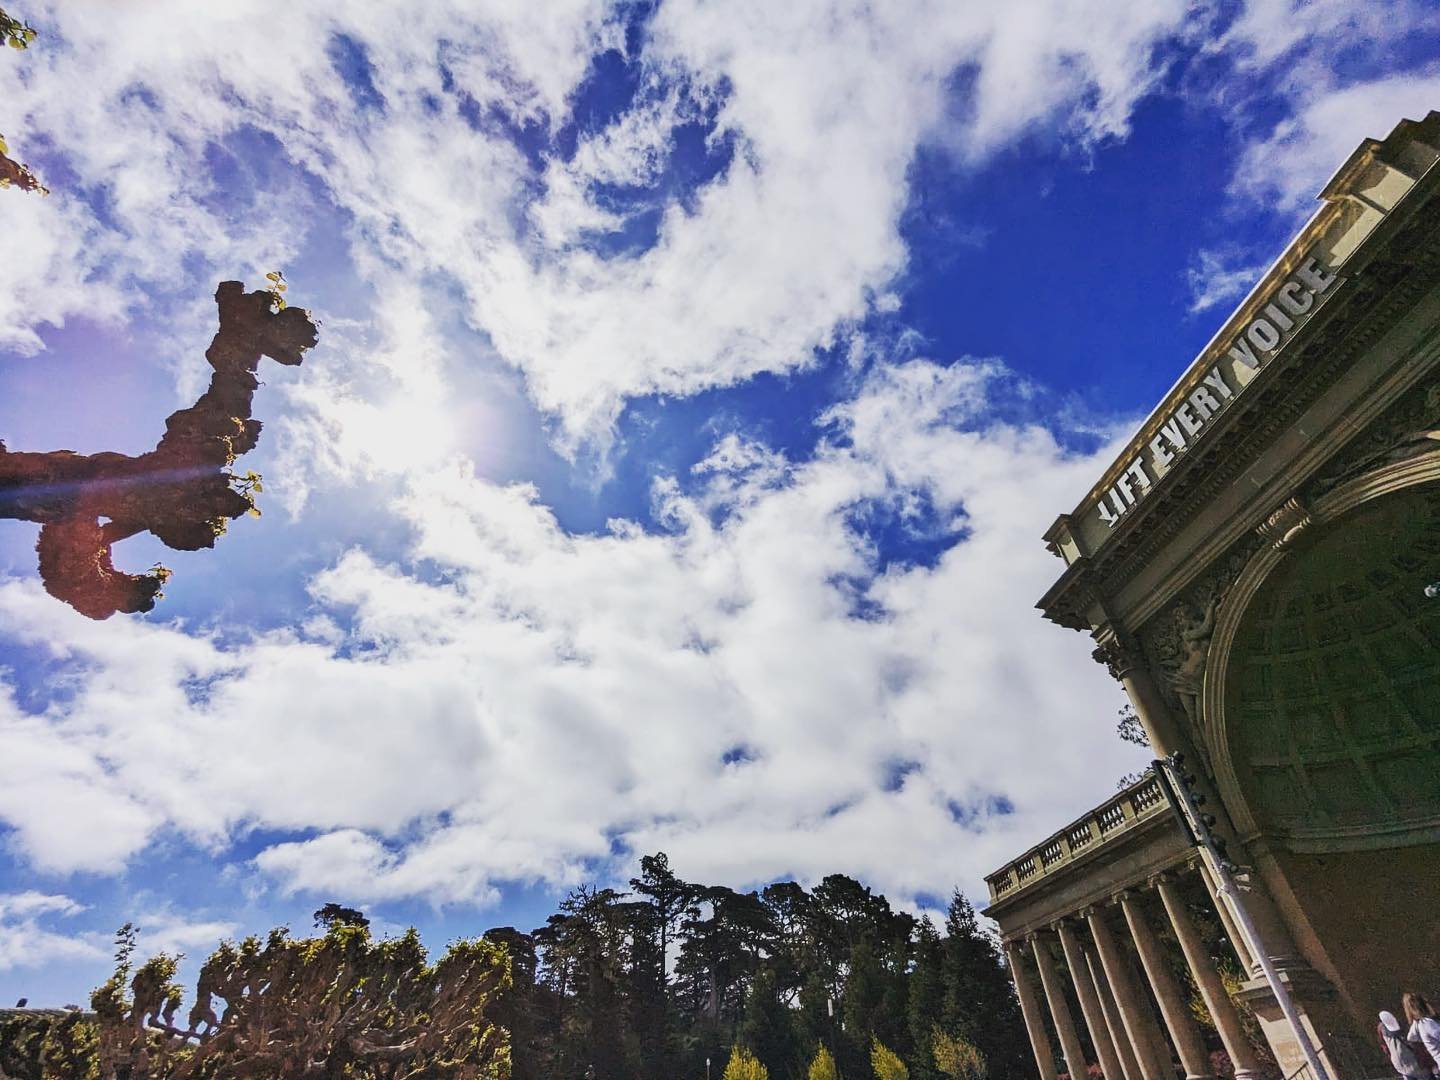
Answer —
1332 688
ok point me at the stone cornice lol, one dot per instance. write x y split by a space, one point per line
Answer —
1399 265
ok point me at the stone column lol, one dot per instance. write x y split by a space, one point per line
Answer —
1030 1009
1089 1003
1134 1009
1128 1065
1217 1000
1059 1007
1173 1006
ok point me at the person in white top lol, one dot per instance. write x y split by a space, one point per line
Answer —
1424 1028
1404 1060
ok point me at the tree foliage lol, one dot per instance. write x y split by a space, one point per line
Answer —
183 491
1129 728
956 1058
887 1063
333 915
47 1044
743 1065
783 973
15 32
822 1066
338 1005
18 35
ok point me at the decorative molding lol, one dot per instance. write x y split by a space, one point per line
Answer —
1376 296
1285 525
1177 641
1120 655
1409 428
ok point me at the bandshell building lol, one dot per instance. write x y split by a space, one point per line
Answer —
1253 568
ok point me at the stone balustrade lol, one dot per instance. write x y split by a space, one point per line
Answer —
1139 801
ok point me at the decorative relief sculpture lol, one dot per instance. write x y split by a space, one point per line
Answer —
1283 526
1178 640
1408 429
1185 671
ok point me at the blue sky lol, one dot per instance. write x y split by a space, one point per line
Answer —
695 382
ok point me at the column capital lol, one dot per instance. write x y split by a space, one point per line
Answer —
1119 652
1164 877
1121 896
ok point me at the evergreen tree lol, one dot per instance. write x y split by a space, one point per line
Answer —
887 1063
980 1004
672 899
790 976
926 1003
822 1067
768 1029
744 1066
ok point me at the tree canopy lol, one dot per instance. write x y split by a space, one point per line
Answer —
810 984
18 35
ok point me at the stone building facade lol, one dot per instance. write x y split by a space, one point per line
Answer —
1253 569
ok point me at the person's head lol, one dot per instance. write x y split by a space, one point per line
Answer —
1416 1007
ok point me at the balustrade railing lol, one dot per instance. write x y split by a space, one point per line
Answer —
1140 801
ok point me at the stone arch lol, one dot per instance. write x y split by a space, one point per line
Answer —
1304 668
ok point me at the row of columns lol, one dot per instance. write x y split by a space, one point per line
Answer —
1115 1010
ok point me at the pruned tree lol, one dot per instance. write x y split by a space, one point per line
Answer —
46 1044
338 1005
15 173
183 491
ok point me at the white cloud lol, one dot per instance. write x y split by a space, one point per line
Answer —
1290 166
1267 31
24 943
1218 275
510 699
825 103
546 693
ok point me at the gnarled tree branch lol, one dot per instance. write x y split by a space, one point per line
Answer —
181 491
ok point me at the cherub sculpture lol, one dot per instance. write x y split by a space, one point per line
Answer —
1194 628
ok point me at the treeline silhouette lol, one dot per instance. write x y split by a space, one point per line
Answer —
653 982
